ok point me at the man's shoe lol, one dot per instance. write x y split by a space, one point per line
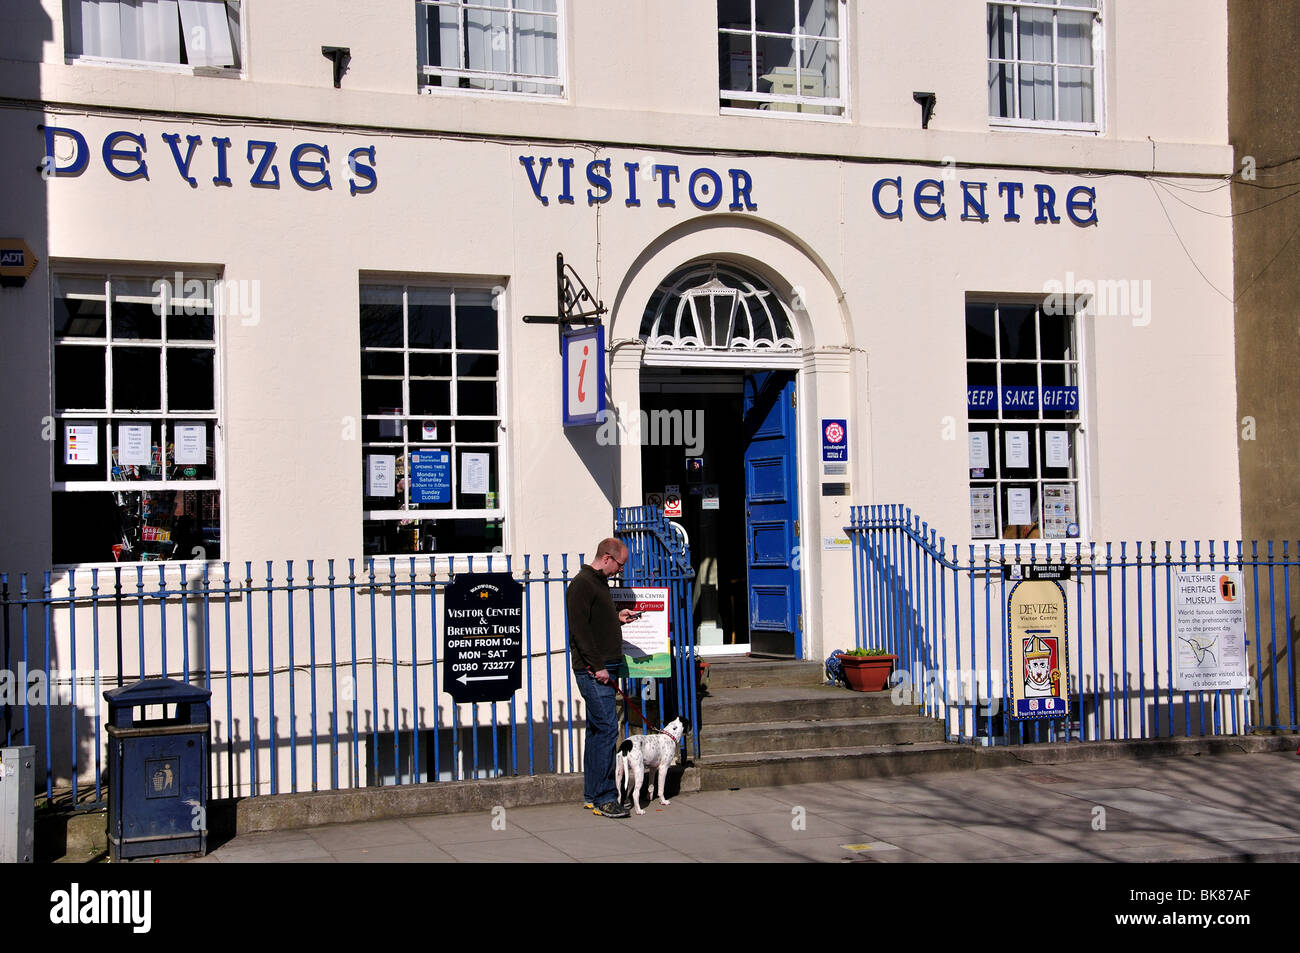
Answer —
588 806
611 809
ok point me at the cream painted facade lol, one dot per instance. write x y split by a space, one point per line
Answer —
878 303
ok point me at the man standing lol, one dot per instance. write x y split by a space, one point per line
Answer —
596 646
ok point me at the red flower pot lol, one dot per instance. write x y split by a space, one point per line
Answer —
867 673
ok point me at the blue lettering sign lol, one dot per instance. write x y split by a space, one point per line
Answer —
297 163
599 181
259 178
430 475
366 172
112 155
980 397
1019 398
875 197
1060 398
183 165
80 154
1010 190
921 198
1074 205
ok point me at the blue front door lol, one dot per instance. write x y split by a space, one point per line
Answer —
772 514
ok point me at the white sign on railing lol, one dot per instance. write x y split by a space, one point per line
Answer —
1209 631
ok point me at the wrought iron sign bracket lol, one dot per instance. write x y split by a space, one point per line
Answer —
574 304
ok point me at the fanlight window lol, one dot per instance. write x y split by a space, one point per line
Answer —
716 308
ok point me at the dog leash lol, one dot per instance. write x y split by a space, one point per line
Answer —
628 701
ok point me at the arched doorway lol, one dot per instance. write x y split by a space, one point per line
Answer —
718 395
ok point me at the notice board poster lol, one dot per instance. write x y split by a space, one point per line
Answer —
646 649
1209 631
483 637
1037 656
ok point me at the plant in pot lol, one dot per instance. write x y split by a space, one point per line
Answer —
867 670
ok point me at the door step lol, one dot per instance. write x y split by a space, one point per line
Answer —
768 723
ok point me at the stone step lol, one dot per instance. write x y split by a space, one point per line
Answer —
750 673
730 706
828 733
771 768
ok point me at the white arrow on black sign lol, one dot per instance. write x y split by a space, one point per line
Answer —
465 679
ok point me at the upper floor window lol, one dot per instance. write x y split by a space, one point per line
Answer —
1044 58
183 32
505 46
782 55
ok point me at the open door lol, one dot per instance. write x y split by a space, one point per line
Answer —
772 515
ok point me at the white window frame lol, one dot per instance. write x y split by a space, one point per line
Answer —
184 69
429 7
402 446
999 424
788 106
1098 125
112 418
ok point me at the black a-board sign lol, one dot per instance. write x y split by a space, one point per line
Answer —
483 637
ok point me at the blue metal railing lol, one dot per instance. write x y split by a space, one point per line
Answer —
332 683
944 615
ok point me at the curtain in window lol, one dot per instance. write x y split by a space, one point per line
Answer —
151 30
126 29
1035 47
1074 84
208 39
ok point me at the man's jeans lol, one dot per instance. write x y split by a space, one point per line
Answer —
602 737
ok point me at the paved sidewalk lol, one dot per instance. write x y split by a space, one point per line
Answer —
1221 808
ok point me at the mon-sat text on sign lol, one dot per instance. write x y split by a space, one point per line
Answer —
483 637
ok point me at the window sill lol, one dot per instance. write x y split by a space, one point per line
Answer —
792 113
179 69
1044 126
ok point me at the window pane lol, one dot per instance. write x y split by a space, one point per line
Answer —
88 444
1057 443
137 310
476 365
390 537
1036 92
1001 24
1035 35
1022 400
430 365
79 377
430 398
819 18
137 380
476 320
735 64
1016 327
186 461
190 379
734 13
984 376
979 331
128 527
381 317
1002 92
79 309
475 501
1074 36
1011 512
151 453
382 363
1056 343
190 321
1075 95
821 69
381 397
475 398
430 317
1018 455
476 431
776 16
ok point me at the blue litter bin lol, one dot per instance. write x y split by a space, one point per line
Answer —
158 770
